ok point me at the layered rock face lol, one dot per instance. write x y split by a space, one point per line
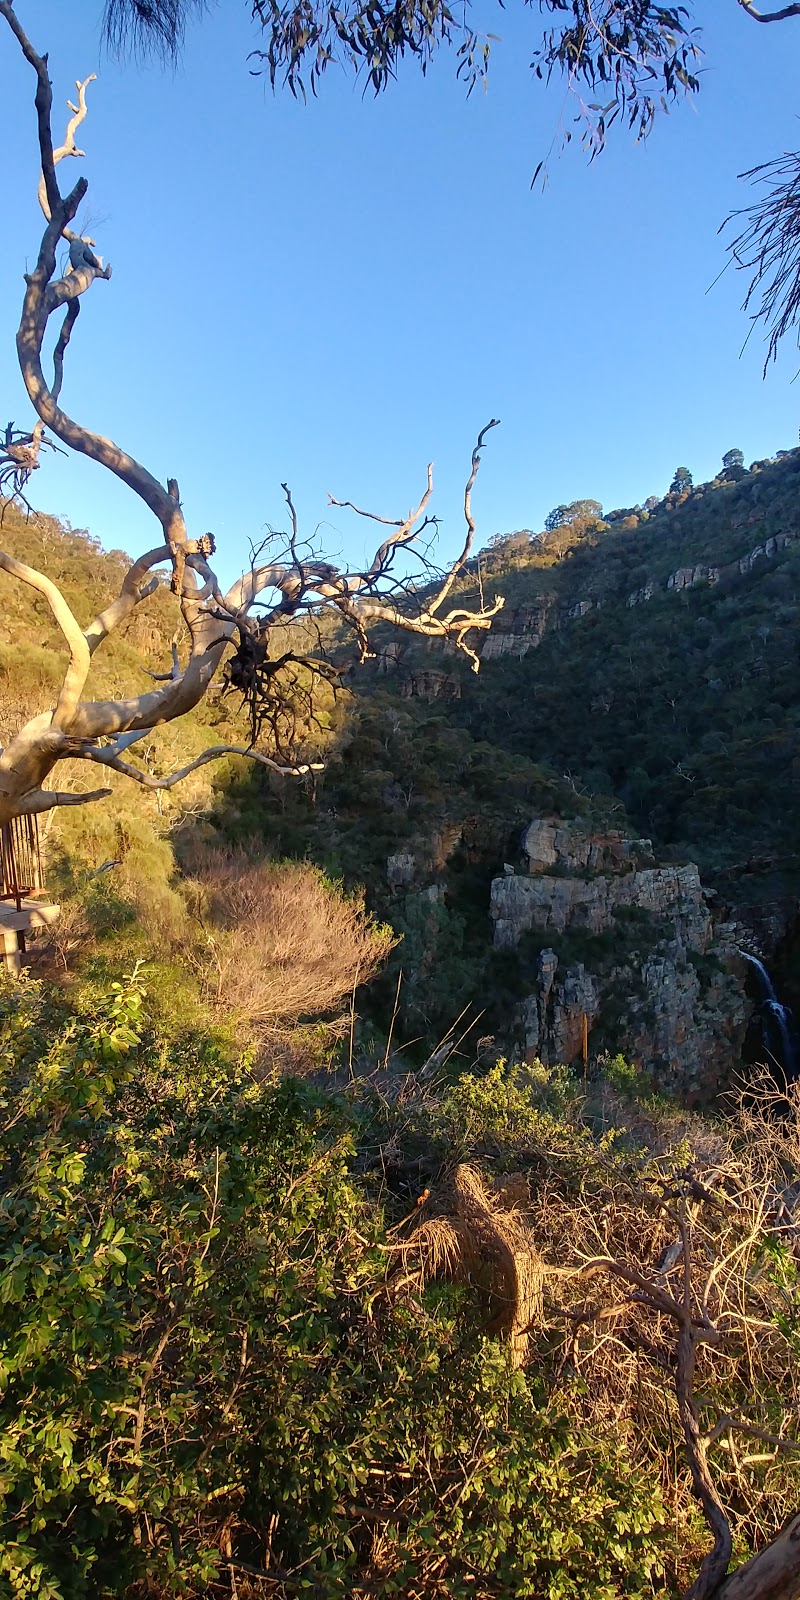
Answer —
516 632
557 904
659 987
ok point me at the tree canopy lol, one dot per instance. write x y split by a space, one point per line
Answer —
638 56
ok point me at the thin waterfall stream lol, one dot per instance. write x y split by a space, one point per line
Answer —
778 1031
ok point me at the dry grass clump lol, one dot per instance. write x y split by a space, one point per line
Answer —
479 1239
281 942
659 1127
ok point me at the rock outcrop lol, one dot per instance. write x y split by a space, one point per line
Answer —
430 685
551 1020
516 632
689 577
592 904
660 986
552 842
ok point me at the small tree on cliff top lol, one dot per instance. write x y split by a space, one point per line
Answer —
224 631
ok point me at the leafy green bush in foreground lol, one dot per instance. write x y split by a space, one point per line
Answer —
199 1361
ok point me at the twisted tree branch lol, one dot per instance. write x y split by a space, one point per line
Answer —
109 758
216 622
48 799
80 657
769 16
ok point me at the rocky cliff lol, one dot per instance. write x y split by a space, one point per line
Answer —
521 629
653 976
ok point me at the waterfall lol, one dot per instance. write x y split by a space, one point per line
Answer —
767 985
777 1022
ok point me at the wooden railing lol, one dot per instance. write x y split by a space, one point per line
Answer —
21 871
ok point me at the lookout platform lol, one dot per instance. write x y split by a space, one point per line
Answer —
21 883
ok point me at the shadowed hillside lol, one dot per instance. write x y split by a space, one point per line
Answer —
641 681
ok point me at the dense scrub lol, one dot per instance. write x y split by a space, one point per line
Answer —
220 1373
203 1370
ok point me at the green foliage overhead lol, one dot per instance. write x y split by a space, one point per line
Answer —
634 58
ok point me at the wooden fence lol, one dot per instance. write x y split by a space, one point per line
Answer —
21 871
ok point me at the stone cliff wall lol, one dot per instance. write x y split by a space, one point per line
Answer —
665 991
516 632
557 904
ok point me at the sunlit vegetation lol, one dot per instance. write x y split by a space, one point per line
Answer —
285 1297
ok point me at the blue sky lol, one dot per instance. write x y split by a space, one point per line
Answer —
336 293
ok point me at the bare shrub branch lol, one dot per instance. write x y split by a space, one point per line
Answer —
281 941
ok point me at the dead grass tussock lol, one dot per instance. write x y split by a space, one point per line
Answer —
479 1240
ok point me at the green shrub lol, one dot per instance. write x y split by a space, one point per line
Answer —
200 1360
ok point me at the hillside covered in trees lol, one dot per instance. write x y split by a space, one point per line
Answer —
399 1072
641 678
243 1222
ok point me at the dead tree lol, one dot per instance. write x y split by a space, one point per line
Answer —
234 629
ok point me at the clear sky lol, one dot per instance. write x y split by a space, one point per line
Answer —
336 293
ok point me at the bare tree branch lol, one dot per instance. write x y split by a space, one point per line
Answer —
772 1574
48 799
69 147
277 683
470 521
80 657
769 16
70 319
733 1424
43 102
109 758
131 595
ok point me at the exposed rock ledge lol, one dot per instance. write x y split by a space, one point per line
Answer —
519 904
515 632
688 577
660 992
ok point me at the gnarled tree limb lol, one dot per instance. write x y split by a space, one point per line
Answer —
770 16
216 623
40 800
110 758
80 658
